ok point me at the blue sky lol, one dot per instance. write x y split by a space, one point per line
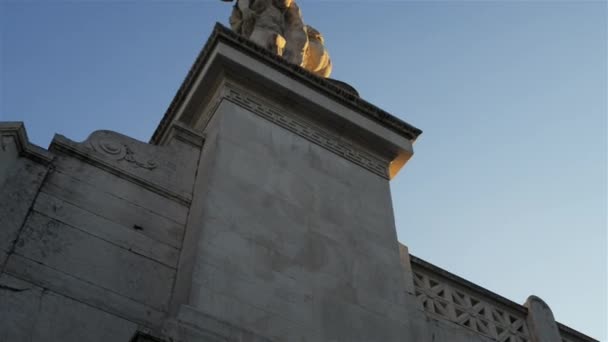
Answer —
508 184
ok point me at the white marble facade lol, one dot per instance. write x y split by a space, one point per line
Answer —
259 211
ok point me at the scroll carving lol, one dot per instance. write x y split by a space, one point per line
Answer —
121 152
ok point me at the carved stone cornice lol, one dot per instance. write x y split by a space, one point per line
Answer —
339 94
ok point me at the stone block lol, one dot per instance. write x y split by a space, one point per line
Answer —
275 239
277 293
96 261
83 291
31 313
9 155
198 213
18 190
61 319
265 323
166 170
263 171
192 325
241 127
19 304
233 205
114 208
344 321
122 187
541 323
408 273
125 237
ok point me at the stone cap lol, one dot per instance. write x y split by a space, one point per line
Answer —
25 147
227 36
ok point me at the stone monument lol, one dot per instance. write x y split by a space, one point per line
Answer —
259 211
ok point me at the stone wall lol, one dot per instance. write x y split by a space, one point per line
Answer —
95 247
91 234
293 242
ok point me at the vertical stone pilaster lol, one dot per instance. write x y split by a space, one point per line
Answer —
541 322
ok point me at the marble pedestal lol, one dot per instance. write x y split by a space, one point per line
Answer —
291 234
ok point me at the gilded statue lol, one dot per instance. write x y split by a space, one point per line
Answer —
277 25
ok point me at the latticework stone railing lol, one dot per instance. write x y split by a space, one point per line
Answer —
445 296
448 297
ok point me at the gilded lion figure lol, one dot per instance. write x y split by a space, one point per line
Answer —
277 25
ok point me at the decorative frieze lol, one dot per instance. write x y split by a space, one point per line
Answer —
298 125
119 151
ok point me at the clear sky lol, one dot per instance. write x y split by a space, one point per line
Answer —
508 184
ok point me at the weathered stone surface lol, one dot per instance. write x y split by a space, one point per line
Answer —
167 170
62 319
541 322
23 168
9 155
114 208
18 193
256 237
31 313
190 248
123 236
19 305
120 187
225 307
192 325
96 261
404 256
83 291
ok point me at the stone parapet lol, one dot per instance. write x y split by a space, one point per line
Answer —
570 335
447 297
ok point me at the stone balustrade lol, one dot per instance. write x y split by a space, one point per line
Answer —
447 297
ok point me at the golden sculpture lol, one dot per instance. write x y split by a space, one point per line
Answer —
277 25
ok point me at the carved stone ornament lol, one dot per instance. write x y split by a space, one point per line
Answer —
298 125
119 151
442 300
